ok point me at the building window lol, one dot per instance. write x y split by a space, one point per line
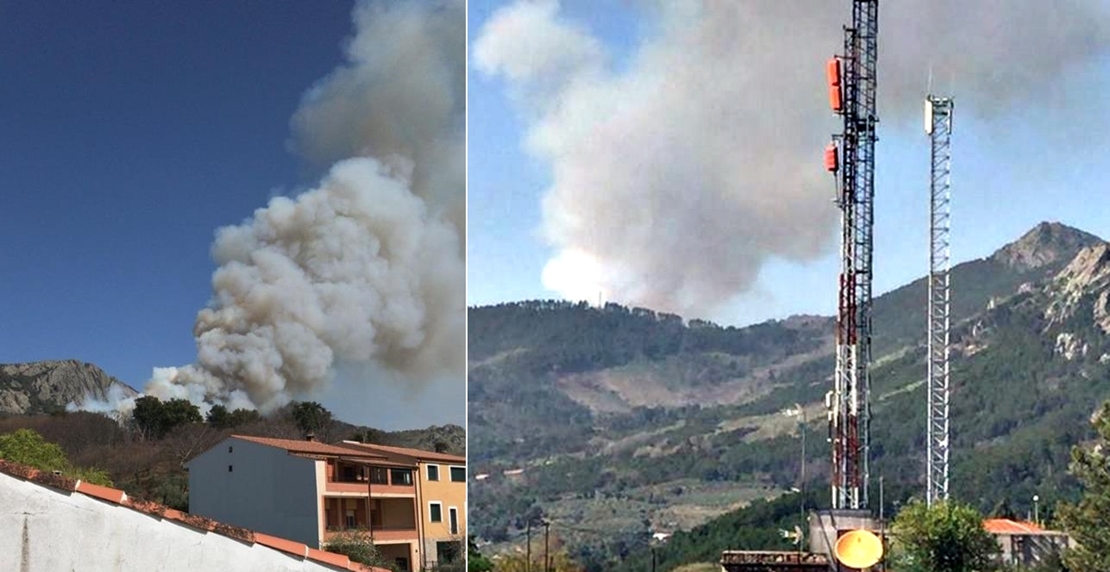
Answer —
229 468
454 512
435 512
433 472
229 449
379 476
402 477
448 552
458 474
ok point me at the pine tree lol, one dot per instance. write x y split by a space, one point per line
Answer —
1088 521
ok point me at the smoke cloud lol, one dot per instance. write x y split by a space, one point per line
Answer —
366 270
678 175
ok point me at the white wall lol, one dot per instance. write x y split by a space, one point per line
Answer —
267 491
46 530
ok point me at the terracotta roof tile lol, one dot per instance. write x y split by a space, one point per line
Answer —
149 507
414 453
115 496
193 520
331 558
1007 526
282 544
103 493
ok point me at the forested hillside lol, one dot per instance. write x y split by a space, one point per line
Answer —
634 421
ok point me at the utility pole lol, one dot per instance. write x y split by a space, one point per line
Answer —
546 538
802 477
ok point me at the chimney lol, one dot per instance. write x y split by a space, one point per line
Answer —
310 436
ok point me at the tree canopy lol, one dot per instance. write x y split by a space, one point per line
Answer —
475 561
946 537
311 417
358 546
1086 520
220 418
27 447
155 418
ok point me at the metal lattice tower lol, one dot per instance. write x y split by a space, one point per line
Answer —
853 83
938 125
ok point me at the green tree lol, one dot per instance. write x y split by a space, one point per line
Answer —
1086 520
27 447
147 416
155 418
220 418
179 412
311 417
947 537
244 416
475 562
358 546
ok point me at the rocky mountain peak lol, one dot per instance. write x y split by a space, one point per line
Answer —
43 386
1045 244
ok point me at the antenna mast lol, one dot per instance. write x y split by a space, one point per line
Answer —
852 91
938 126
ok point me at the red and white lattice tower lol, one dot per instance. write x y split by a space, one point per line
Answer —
852 90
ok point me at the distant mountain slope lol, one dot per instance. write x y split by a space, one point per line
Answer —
48 386
601 408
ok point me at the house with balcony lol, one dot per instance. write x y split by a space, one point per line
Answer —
441 491
1025 544
309 491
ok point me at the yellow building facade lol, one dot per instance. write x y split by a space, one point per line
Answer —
441 498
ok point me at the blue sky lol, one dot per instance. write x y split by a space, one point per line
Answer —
1012 167
129 132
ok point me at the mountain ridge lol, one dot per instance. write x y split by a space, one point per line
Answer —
665 461
49 386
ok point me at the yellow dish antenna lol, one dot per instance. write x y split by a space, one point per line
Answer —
859 549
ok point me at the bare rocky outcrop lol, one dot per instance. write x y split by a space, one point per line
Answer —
42 386
1087 275
1045 244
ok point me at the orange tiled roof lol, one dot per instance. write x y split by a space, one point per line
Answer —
1013 527
414 453
163 512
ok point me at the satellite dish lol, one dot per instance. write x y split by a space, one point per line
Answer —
859 549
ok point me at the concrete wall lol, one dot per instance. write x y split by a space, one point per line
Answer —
46 530
268 490
1030 549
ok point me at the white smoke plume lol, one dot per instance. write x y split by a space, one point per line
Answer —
366 269
676 177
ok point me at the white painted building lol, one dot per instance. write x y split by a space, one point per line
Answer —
49 523
307 491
